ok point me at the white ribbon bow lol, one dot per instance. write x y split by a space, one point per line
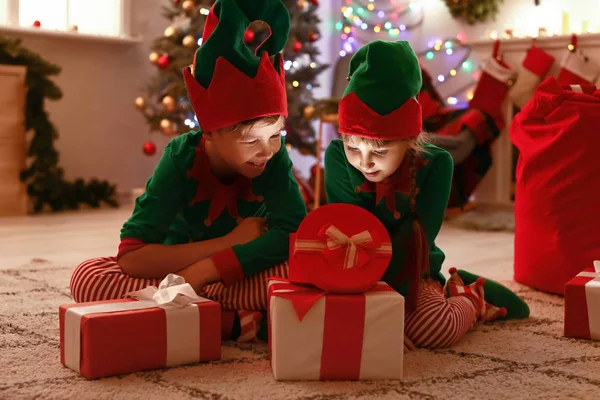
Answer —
173 291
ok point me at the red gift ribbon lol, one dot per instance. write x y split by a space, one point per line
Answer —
343 329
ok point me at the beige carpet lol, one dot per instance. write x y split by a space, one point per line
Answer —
515 360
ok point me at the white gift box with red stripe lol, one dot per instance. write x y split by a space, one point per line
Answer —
319 336
165 327
582 304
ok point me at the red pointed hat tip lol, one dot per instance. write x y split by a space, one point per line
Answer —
480 281
452 270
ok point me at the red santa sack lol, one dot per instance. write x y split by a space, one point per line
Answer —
557 199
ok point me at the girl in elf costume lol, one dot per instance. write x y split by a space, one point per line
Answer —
384 165
203 213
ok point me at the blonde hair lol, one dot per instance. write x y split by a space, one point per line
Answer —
242 128
417 144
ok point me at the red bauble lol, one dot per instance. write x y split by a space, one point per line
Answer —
163 61
313 37
315 2
149 148
297 46
249 35
37 24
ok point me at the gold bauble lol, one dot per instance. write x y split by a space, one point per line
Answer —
140 103
153 57
166 127
170 31
301 4
188 5
309 111
169 103
165 124
189 41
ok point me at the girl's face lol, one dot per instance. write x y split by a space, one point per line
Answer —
248 154
376 163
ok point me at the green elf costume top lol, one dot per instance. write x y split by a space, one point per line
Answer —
226 84
379 103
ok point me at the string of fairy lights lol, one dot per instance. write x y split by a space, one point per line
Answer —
366 20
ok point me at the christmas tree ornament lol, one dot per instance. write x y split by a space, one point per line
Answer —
140 103
308 111
576 68
301 4
315 2
74 28
535 66
163 61
168 103
153 57
313 37
37 24
188 5
165 124
149 148
169 32
249 36
189 41
297 46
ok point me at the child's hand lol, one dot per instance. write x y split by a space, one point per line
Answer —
247 230
408 345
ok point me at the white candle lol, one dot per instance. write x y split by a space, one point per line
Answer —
585 26
566 27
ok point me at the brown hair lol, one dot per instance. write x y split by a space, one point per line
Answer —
417 264
243 127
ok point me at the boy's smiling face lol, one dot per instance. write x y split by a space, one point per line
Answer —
244 153
375 162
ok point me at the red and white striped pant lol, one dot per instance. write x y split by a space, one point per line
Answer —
437 322
103 279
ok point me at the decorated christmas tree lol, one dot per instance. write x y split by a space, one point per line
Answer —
165 104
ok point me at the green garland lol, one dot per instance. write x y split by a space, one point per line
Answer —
45 180
473 11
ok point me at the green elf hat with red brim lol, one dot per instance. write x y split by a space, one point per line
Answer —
380 101
228 83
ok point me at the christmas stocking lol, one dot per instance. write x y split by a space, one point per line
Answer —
536 65
489 96
577 68
499 295
474 292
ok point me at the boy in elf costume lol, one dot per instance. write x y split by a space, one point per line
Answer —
203 214
384 165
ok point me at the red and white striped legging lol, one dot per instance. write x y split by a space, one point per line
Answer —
437 322
103 279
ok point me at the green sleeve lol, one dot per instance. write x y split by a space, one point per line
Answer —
155 209
285 210
338 185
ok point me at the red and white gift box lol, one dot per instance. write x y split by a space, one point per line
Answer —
165 327
340 248
319 336
582 304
